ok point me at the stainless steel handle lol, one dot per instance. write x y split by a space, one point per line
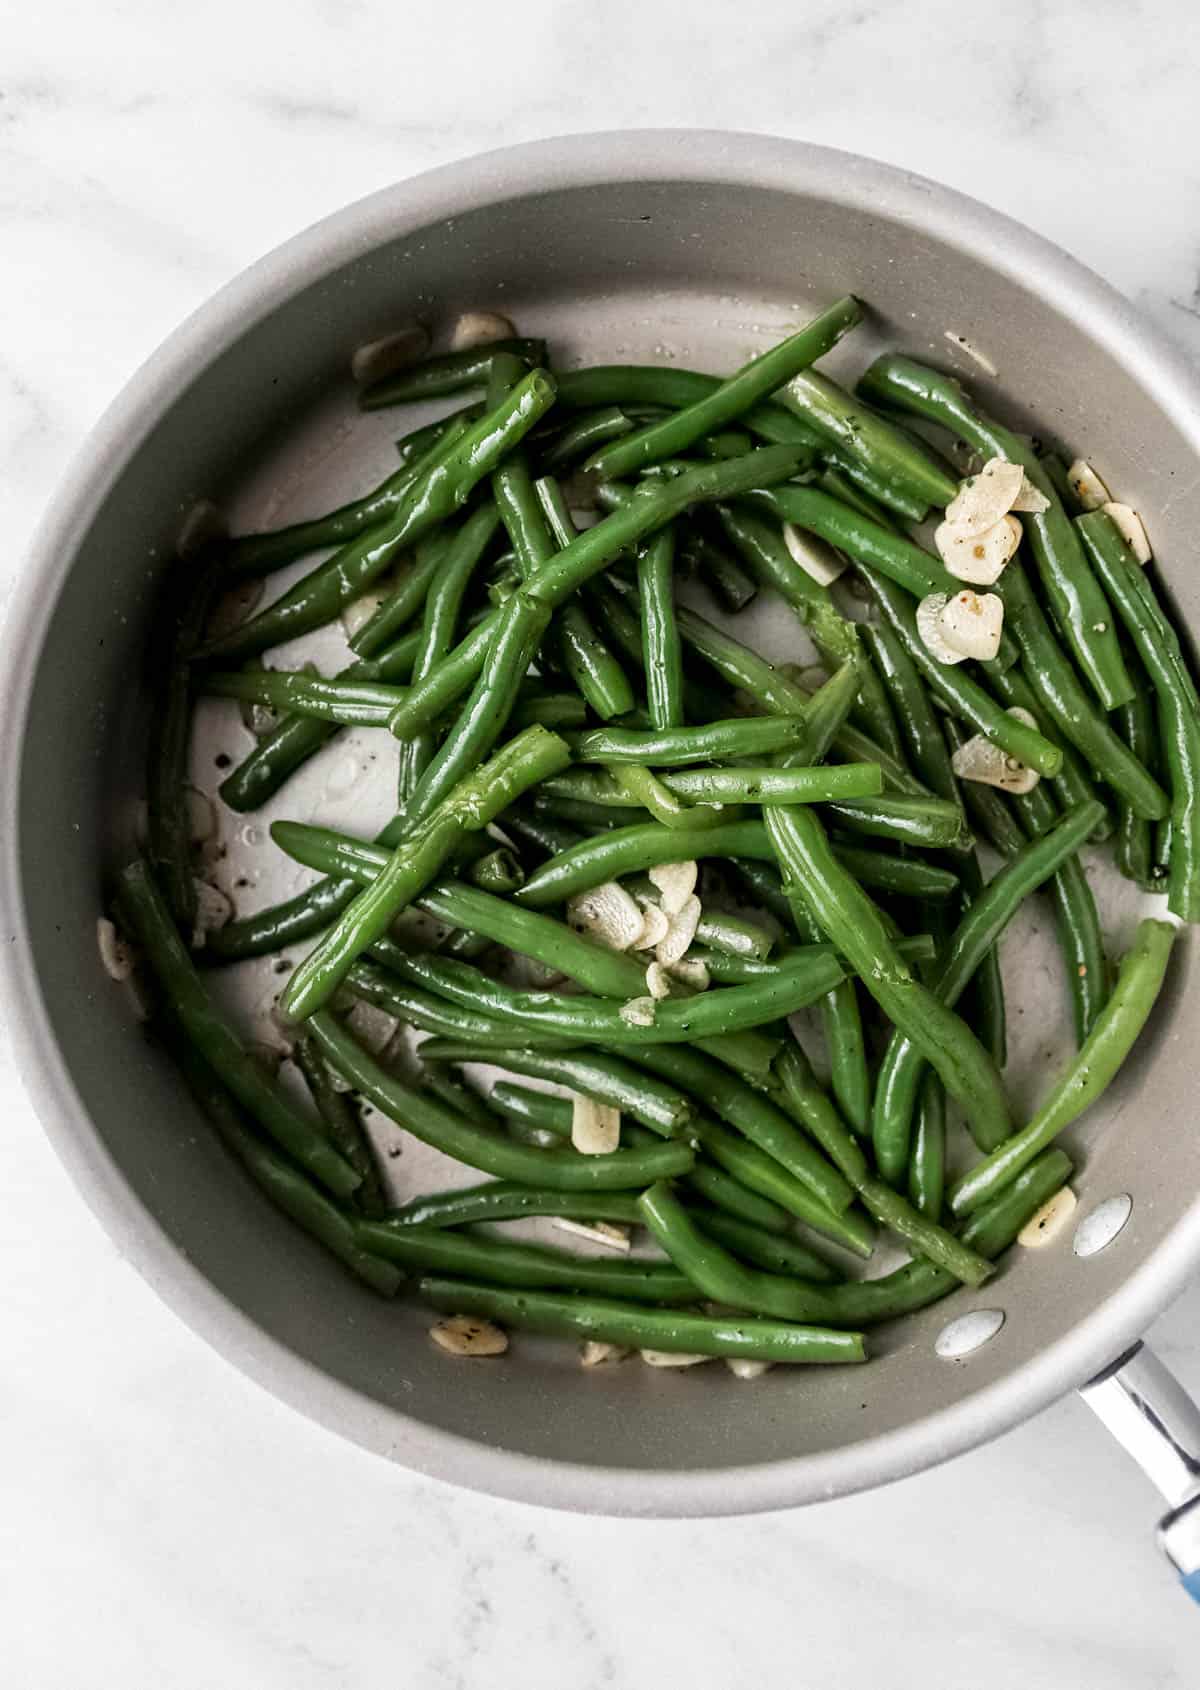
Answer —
1148 1411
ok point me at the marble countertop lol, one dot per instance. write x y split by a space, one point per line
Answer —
164 1521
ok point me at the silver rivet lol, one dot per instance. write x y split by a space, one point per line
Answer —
963 1336
1097 1230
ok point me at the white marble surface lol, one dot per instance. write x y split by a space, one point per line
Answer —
163 1521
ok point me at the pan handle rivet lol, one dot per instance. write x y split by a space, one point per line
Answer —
1097 1229
964 1335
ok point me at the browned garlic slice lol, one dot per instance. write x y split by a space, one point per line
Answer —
467 1335
978 558
1050 1221
1132 531
971 624
1087 485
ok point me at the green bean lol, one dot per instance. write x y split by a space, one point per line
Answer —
461 1097
1072 784
733 935
721 573
593 428
418 440
764 1249
1113 1036
590 664
287 747
499 1262
725 443
835 638
988 811
927 1163
903 877
1158 647
145 916
841 1023
731 399
1076 921
925 823
342 1123
360 704
662 654
961 695
731 1197
852 922
1076 598
607 1079
642 786
500 1200
168 825
440 491
597 1319
405 600
759 784
740 736
1133 850
499 871
491 1152
416 860
985 919
283 1184
256 554
868 542
892 454
450 372
548 710
531 827
512 482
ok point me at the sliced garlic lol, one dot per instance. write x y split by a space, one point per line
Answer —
983 499
595 1127
1050 1220
359 611
467 1335
658 981
1127 520
201 814
213 910
479 328
743 1369
203 524
598 1232
929 627
692 971
391 352
1030 499
655 927
979 760
676 882
607 914
116 954
680 934
638 1012
671 1358
232 608
372 1027
815 556
1087 486
971 624
596 1354
978 558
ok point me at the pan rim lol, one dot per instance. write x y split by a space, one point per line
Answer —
576 161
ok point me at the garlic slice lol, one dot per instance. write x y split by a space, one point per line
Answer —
1049 1221
671 1358
741 1368
201 814
682 931
691 971
598 1232
971 624
479 328
467 1335
655 927
978 759
978 558
116 954
596 1354
1127 520
983 499
929 627
658 981
213 910
375 359
1030 499
676 882
815 556
1087 486
638 1012
595 1127
607 914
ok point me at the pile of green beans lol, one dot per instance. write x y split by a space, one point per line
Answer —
691 843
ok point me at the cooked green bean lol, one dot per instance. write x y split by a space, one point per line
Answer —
435 495
731 399
1075 597
449 372
499 871
418 440
780 1254
405 599
1073 783
593 428
281 1182
662 653
145 916
894 455
740 736
607 1079
721 573
1158 647
760 784
356 704
982 924
501 1200
597 1319
927 1162
491 1152
925 823
343 1124
902 877
851 921
585 656
454 1091
1133 846
416 860
1116 1030
498 1262
289 746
